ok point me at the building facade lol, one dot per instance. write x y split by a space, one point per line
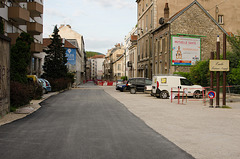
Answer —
114 65
24 16
152 15
177 47
130 52
97 67
66 31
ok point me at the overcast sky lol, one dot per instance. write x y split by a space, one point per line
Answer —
103 23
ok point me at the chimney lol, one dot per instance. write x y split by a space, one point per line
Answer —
166 12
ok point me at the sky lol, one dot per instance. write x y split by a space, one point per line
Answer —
102 23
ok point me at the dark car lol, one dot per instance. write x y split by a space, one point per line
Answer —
122 88
137 84
118 83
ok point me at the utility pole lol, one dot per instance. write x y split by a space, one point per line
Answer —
218 74
224 72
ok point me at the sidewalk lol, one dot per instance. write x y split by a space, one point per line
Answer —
25 110
205 133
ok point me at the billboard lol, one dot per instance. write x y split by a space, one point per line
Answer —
186 51
71 59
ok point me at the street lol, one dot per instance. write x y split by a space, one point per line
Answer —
84 123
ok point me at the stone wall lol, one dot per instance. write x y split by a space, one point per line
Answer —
4 75
195 22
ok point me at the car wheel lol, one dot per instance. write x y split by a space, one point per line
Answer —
164 94
133 91
197 94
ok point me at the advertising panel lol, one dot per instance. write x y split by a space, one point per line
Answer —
71 59
186 51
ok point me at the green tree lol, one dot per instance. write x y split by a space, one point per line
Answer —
234 76
234 60
200 74
20 58
55 60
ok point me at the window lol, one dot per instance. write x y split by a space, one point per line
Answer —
148 82
119 67
186 82
220 19
140 81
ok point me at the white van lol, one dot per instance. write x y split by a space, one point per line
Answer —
163 85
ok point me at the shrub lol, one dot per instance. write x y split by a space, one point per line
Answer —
184 74
36 91
124 78
59 84
20 94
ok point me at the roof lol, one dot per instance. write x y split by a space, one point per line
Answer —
179 13
47 41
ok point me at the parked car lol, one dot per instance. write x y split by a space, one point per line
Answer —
123 88
162 86
32 78
118 83
137 84
46 85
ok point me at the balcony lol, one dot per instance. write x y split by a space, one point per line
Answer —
36 47
13 37
34 28
19 15
35 9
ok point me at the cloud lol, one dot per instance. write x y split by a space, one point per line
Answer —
53 12
116 3
100 45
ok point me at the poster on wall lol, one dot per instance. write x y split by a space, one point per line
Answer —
71 59
186 51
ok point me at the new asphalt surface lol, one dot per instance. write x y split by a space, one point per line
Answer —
84 123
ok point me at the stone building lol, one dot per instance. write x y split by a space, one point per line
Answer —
151 14
115 63
226 12
24 16
145 26
132 63
188 36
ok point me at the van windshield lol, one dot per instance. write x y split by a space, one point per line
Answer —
186 82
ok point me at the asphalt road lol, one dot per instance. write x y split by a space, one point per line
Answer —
84 124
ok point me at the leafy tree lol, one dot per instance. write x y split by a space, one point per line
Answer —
55 61
234 59
20 58
200 74
234 75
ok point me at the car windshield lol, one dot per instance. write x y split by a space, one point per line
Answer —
148 82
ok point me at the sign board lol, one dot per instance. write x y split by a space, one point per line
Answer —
186 51
71 56
211 94
219 65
